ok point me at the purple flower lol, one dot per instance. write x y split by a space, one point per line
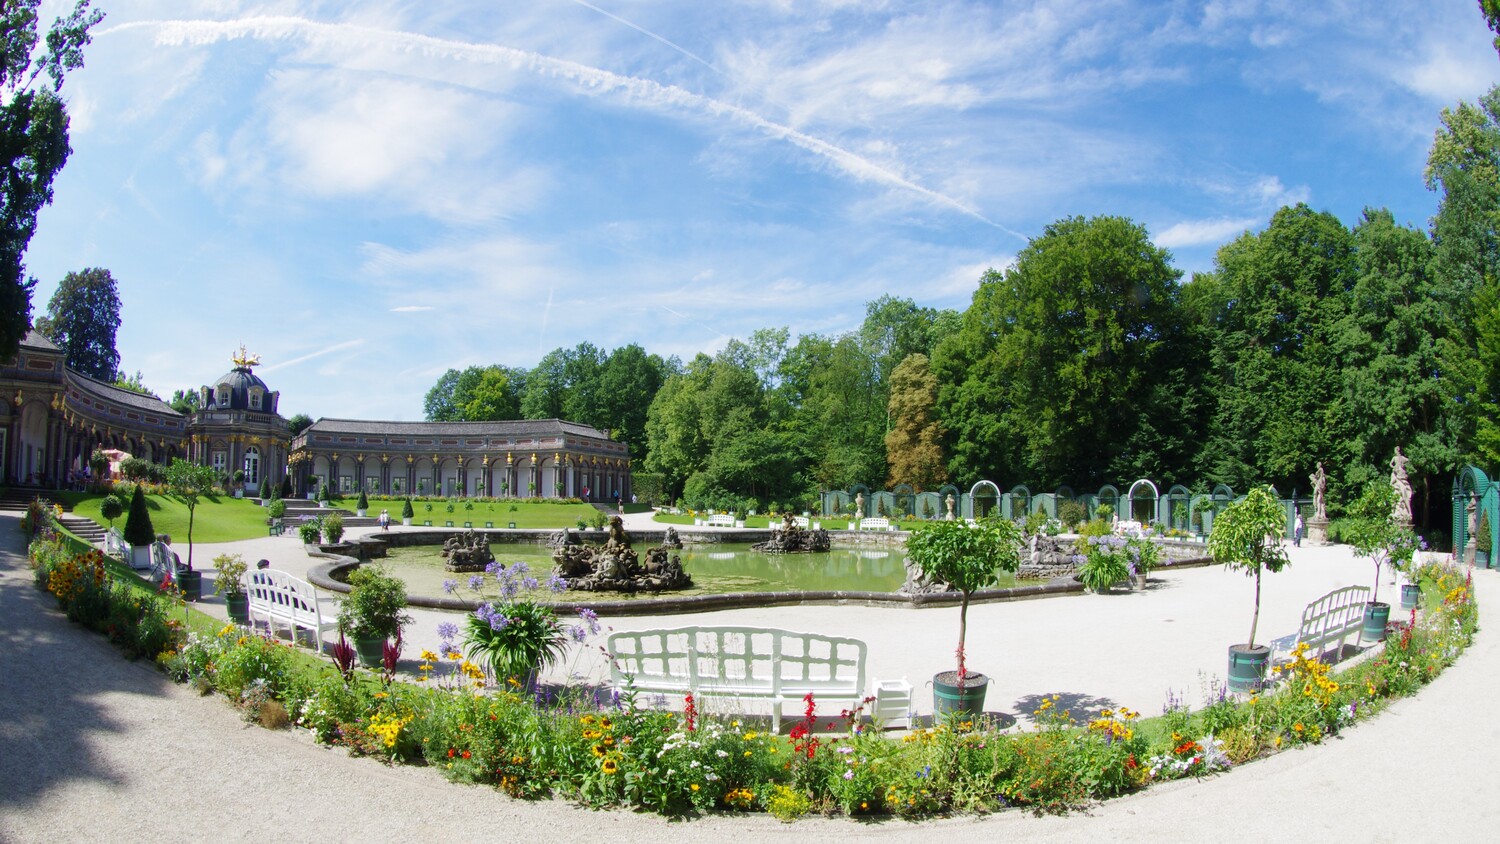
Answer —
529 584
589 618
557 584
578 633
447 631
476 582
450 586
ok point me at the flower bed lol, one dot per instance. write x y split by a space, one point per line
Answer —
606 750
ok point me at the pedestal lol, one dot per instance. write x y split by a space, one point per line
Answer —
892 706
1317 531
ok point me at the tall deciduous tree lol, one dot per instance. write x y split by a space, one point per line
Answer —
1063 369
33 143
914 445
82 318
1281 405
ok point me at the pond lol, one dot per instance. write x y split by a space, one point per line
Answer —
717 569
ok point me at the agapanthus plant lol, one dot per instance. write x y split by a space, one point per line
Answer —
515 635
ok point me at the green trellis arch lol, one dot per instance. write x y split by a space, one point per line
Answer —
1473 488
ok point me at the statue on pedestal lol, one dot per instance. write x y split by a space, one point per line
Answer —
1401 511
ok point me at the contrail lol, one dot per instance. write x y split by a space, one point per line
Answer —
541 333
590 80
649 34
337 347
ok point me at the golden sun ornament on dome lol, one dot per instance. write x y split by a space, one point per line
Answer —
244 360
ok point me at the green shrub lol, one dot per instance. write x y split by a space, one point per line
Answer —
333 528
1071 514
363 503
406 510
138 529
277 509
310 531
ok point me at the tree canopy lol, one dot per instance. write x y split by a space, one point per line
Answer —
34 140
82 318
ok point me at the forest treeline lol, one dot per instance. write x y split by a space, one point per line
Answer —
1091 360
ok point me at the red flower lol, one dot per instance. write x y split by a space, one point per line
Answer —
465 754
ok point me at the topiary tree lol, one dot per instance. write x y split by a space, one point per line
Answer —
406 511
363 503
139 531
111 508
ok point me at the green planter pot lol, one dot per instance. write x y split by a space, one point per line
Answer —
1247 667
239 608
948 697
371 652
1481 559
191 584
1377 613
1411 596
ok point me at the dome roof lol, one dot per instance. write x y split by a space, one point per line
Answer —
245 391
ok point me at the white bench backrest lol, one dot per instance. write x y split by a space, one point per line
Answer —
283 594
163 562
1334 615
730 658
721 520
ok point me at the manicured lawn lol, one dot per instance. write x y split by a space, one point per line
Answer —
829 522
217 518
542 514
225 519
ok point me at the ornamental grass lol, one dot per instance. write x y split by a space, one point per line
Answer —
605 749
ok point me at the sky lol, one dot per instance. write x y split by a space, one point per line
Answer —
367 194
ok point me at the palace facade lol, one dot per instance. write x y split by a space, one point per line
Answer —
52 419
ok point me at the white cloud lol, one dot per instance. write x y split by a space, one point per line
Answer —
627 90
1200 232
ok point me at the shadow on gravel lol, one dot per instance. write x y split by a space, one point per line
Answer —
52 674
1080 707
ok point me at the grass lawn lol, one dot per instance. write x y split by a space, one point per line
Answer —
226 519
542 514
217 518
829 522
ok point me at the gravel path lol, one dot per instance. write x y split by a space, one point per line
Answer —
93 747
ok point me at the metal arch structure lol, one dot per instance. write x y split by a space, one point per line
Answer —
969 507
1155 499
1474 496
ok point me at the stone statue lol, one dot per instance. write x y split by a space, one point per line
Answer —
614 567
467 552
789 538
1401 511
951 517
859 506
1320 487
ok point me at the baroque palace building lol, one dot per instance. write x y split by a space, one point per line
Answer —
52 419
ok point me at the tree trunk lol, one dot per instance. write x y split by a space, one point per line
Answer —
1255 619
963 621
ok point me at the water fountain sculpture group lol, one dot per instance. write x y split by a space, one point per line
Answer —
614 566
790 538
469 551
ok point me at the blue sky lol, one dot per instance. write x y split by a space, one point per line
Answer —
367 194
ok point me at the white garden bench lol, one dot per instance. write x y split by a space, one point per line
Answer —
746 662
1333 617
115 546
876 523
283 599
720 520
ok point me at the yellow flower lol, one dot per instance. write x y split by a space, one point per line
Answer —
694 786
429 656
610 766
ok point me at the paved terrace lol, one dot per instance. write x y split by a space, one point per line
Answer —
94 746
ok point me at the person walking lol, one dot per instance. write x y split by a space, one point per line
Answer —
1297 530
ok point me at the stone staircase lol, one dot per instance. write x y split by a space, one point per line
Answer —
296 508
16 498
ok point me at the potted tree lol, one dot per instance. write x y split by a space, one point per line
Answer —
373 612
190 482
1247 536
362 506
407 513
323 496
239 483
966 558
229 581
1374 533
139 531
333 528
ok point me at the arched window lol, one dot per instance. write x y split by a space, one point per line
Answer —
222 399
252 465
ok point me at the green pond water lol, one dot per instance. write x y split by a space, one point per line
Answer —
716 569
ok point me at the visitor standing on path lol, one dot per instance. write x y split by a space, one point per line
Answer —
1297 531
